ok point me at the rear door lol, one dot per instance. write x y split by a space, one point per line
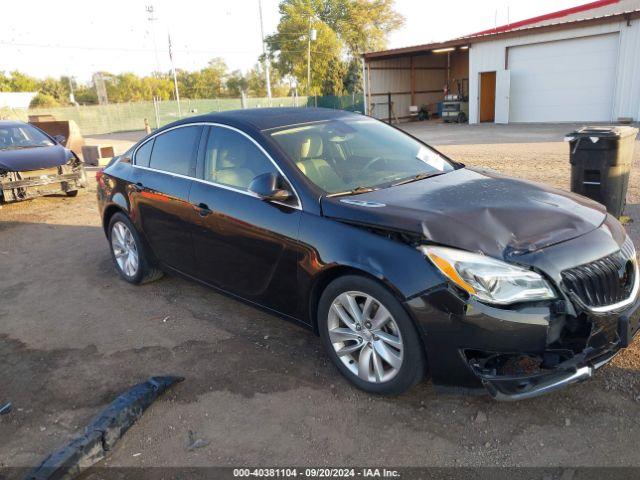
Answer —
166 166
242 244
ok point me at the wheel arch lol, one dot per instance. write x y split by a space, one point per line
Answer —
329 275
117 204
108 214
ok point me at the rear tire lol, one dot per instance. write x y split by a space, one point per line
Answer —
72 193
372 340
129 253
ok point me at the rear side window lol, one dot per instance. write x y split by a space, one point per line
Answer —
143 156
175 151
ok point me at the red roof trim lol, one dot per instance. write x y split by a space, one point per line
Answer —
548 16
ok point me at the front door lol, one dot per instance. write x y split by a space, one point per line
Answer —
487 96
242 244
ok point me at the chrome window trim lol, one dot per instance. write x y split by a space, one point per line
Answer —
297 206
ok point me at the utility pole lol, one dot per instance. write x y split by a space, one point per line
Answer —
264 53
151 10
312 37
309 60
72 97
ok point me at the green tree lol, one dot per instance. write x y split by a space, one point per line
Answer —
86 95
23 83
237 83
345 29
206 83
43 100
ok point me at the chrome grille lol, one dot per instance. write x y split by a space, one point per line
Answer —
603 282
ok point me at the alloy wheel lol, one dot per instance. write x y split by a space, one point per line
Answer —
125 249
365 337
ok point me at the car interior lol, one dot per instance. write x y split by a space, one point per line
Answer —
233 160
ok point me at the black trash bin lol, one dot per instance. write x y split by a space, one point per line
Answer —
601 160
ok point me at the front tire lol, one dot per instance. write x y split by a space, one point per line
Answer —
128 252
71 193
369 336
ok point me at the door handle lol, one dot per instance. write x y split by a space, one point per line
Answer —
138 187
203 209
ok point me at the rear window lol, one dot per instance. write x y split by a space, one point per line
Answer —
143 156
175 151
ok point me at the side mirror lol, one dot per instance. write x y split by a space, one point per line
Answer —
268 187
60 139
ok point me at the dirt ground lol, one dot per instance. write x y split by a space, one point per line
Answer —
259 389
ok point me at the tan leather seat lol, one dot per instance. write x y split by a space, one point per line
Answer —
316 168
231 168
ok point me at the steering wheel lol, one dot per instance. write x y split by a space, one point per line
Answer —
372 162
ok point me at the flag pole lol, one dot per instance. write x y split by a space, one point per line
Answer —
175 77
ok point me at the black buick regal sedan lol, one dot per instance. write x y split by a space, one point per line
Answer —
406 263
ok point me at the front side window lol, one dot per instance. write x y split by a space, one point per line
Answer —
232 159
22 136
346 155
175 151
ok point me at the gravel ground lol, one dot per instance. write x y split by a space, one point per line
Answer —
259 389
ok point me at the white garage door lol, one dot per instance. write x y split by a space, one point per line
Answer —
567 80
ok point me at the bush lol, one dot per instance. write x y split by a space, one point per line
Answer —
43 100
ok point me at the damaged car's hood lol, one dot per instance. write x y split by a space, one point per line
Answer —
20 160
474 210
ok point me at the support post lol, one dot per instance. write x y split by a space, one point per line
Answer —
413 81
364 87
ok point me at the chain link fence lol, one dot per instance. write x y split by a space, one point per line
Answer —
120 117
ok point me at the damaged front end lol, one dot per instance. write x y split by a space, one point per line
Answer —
604 319
22 185
530 348
586 343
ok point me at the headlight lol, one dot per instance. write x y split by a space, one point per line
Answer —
488 279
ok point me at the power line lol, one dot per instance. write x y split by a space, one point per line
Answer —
146 50
114 49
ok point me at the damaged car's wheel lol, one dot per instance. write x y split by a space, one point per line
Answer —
369 336
128 252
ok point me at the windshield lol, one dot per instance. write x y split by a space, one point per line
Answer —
22 136
345 156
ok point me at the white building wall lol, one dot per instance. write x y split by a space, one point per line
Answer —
16 99
491 56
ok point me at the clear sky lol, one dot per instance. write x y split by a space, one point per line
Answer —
45 38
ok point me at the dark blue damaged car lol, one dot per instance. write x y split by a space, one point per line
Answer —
34 164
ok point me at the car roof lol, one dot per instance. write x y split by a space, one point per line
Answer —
268 118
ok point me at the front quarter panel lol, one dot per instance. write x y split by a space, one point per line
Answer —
329 244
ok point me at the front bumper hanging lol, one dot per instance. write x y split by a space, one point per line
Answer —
608 337
24 185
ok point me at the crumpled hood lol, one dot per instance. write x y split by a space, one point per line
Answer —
475 210
32 158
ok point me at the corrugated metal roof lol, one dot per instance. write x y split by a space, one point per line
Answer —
570 20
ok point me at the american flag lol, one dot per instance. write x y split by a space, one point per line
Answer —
170 53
